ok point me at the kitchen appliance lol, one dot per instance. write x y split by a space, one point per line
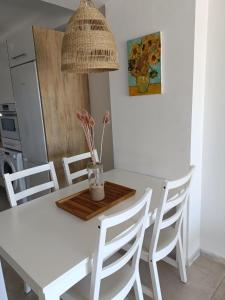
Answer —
11 158
29 110
1 166
12 161
30 120
9 127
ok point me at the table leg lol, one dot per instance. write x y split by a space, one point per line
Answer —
27 289
3 293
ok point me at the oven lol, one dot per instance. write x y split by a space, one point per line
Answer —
8 122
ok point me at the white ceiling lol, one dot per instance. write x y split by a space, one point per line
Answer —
73 4
18 13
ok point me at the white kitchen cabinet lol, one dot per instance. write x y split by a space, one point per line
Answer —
21 47
6 91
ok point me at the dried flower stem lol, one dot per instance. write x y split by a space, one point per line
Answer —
89 141
88 123
102 138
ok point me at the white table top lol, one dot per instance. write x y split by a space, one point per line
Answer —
43 242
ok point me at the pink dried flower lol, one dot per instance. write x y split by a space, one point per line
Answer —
106 121
106 118
92 122
88 123
85 117
79 116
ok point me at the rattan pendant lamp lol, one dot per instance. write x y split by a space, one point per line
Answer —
88 43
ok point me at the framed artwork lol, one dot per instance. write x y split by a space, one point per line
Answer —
144 65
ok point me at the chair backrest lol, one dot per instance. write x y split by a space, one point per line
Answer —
10 178
73 159
107 246
171 210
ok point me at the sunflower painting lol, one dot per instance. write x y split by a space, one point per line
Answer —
144 65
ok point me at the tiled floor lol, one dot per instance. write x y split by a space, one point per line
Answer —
206 281
206 278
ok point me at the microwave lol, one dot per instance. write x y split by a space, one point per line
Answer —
8 122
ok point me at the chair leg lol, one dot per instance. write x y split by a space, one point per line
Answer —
181 261
155 280
138 288
27 289
3 293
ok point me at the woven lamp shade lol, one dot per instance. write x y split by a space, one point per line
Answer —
88 43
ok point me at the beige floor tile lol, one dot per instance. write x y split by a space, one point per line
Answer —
220 291
204 276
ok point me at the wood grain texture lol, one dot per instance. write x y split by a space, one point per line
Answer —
62 95
81 205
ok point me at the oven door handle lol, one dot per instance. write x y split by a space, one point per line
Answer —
7 115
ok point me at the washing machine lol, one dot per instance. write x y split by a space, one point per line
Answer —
11 161
1 168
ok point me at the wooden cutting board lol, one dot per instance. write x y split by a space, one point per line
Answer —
81 205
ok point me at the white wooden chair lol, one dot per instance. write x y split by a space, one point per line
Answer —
113 274
15 197
167 234
73 159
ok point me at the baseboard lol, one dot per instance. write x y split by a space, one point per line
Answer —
193 258
213 256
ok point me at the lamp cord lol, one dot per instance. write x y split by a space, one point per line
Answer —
90 3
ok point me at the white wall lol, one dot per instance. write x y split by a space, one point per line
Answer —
46 20
100 103
23 14
213 199
152 134
200 52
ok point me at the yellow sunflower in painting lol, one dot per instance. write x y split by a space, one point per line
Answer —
151 42
136 51
144 65
144 54
152 59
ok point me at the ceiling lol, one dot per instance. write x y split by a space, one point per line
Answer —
72 4
18 13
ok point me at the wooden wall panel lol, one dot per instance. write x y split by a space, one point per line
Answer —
62 95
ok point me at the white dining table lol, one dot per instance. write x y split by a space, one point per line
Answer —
51 249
